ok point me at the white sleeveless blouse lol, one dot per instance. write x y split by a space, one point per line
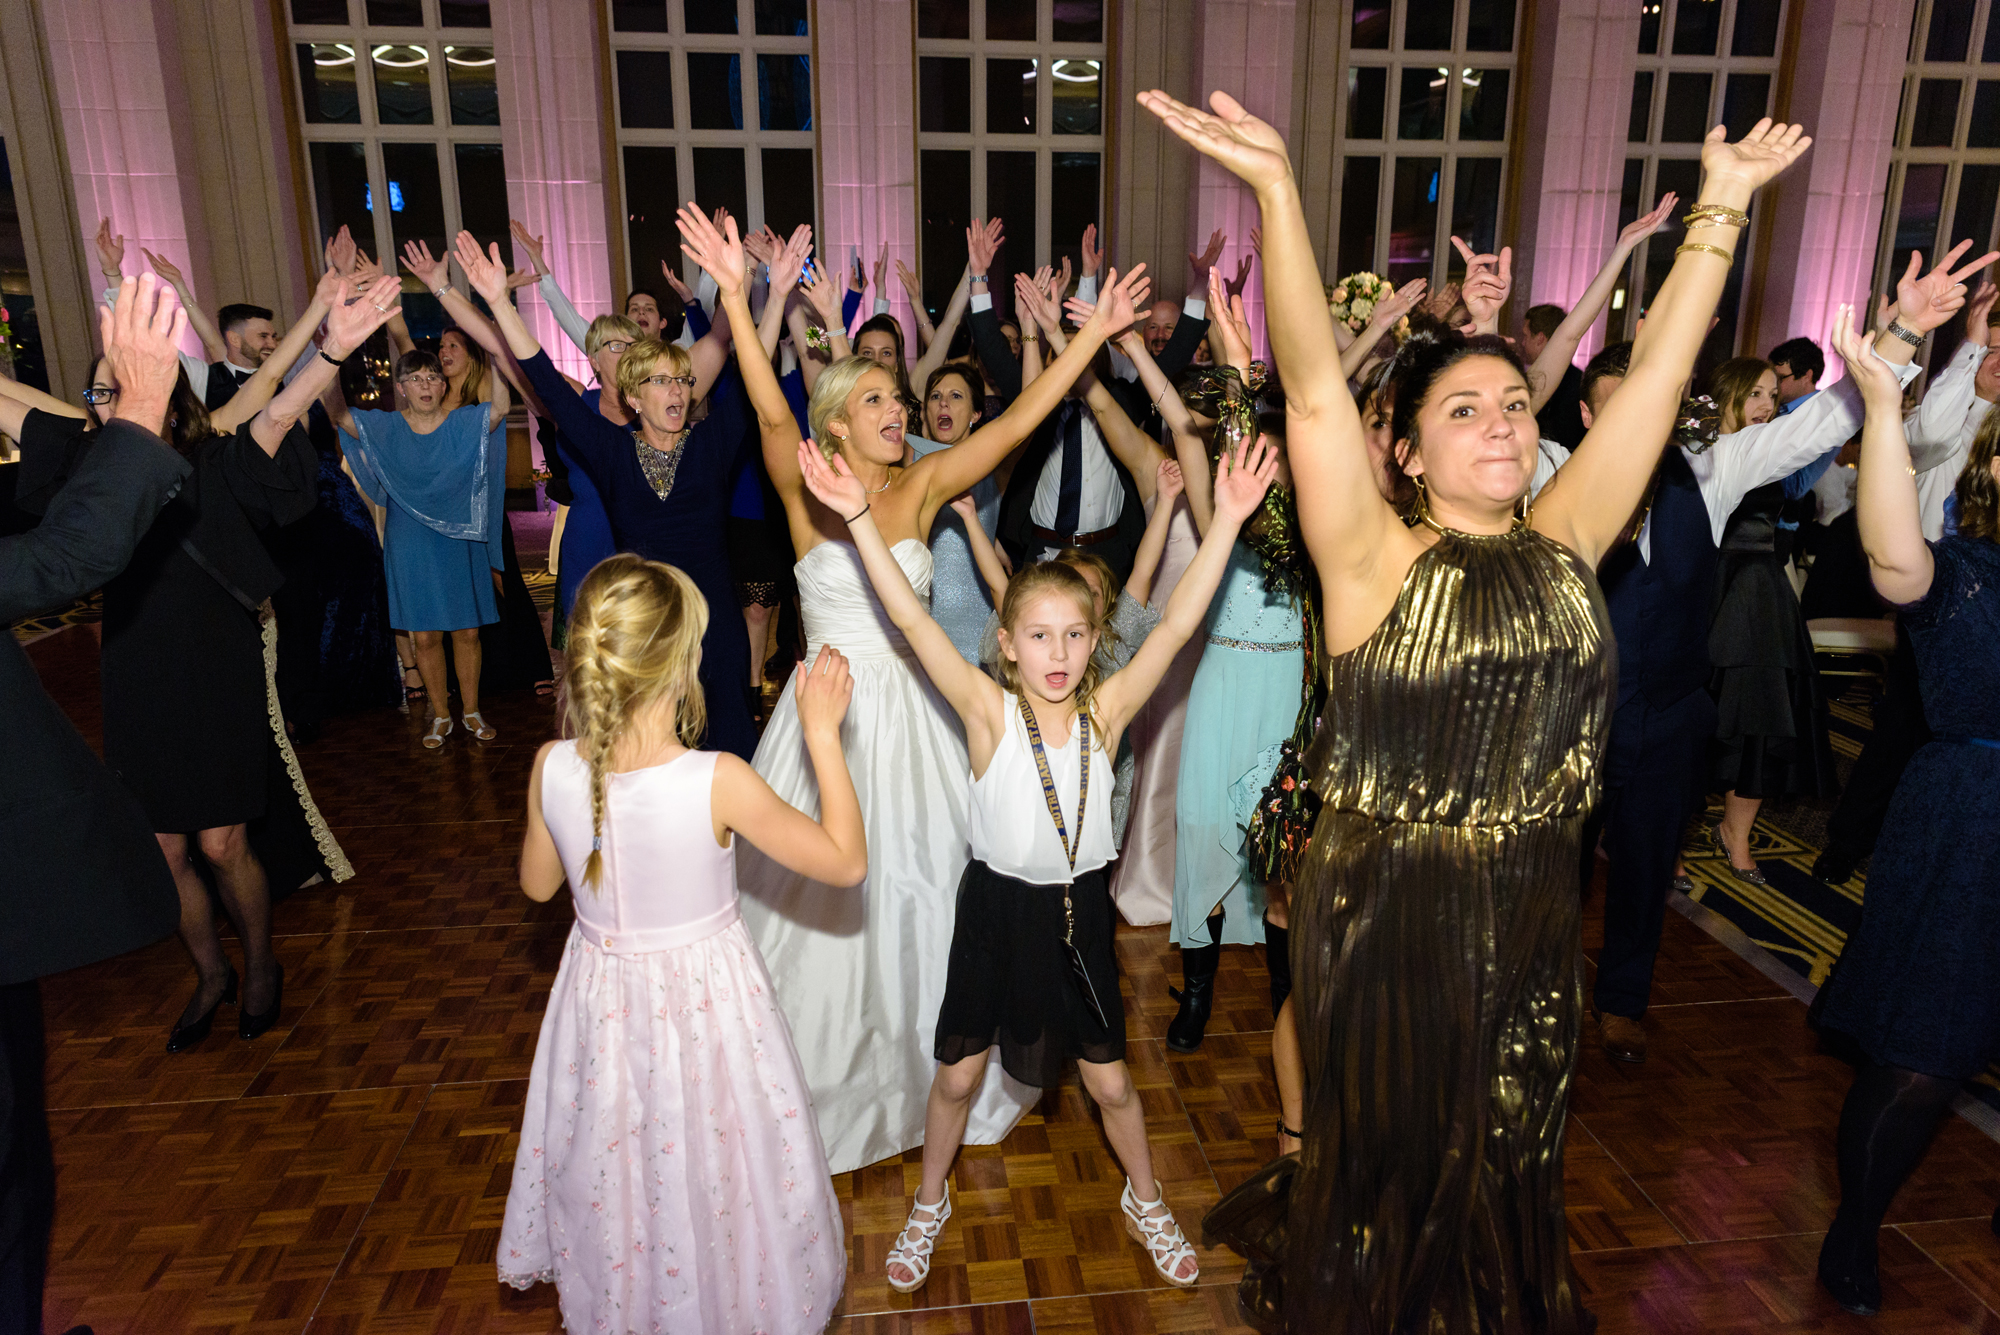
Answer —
1010 827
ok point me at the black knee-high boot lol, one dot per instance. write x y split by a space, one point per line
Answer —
1278 962
1197 990
1886 1125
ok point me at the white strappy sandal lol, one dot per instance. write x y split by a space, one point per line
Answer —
479 727
440 729
1159 1234
914 1252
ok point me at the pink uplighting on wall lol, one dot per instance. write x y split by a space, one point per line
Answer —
118 124
1244 46
552 132
867 140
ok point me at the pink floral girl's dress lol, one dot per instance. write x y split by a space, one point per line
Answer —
670 1175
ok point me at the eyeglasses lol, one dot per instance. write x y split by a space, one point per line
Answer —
98 395
614 345
684 381
422 378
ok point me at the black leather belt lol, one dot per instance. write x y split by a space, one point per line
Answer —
1050 537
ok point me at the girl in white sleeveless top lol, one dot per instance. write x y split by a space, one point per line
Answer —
670 1175
1032 969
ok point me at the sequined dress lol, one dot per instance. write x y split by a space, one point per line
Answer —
1434 948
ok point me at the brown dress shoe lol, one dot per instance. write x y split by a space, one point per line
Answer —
1623 1038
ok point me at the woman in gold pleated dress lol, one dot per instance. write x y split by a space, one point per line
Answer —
1434 923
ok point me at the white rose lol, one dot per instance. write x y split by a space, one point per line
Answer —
1361 310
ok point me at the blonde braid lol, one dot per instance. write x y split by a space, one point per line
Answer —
635 636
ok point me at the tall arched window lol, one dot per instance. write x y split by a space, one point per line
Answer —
1944 180
1423 134
1011 101
400 113
714 103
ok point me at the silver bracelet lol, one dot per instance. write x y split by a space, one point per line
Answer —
1908 335
439 292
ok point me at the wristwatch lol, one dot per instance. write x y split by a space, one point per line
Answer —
1908 335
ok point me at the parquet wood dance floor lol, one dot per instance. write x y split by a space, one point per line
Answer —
347 1172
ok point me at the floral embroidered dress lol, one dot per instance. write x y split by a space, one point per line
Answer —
670 1175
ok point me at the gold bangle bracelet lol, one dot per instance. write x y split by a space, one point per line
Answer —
1686 246
1722 211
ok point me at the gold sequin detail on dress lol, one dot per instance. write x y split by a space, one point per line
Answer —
659 466
1434 948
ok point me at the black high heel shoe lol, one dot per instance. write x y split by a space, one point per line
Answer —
256 1026
185 1036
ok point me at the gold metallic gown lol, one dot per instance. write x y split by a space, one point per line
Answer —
1434 947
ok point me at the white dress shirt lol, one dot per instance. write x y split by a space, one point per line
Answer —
1742 461
1940 433
1103 496
1121 365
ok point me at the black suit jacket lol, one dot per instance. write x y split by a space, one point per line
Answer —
81 876
1005 373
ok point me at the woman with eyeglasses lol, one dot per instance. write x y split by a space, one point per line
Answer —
666 480
191 725
441 477
586 533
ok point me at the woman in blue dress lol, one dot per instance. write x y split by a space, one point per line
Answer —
960 602
666 483
1916 988
442 479
586 536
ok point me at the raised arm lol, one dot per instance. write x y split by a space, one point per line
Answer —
257 392
921 318
1242 476
720 254
1886 509
18 400
948 472
1354 354
1342 514
1137 452
971 692
1547 372
939 346
785 266
352 318
823 296
1936 428
1153 545
575 328
1592 499
832 850
204 328
984 554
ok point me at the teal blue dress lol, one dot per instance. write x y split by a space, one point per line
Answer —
1240 710
445 493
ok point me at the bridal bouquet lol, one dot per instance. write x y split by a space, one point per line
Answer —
1353 299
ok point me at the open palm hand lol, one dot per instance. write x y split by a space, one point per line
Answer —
1757 157
1232 136
717 249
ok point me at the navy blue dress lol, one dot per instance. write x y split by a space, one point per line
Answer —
687 530
1916 986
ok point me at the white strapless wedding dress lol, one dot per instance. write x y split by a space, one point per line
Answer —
860 972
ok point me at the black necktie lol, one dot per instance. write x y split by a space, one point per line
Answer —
1069 494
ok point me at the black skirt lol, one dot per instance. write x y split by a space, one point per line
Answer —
1009 980
1771 719
760 561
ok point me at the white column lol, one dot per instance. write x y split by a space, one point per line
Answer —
865 83
1578 80
1848 74
552 131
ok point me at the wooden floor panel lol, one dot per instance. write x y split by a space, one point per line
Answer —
348 1172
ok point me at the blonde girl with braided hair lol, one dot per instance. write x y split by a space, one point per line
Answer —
1031 970
670 1160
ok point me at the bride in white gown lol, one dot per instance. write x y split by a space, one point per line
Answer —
860 972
